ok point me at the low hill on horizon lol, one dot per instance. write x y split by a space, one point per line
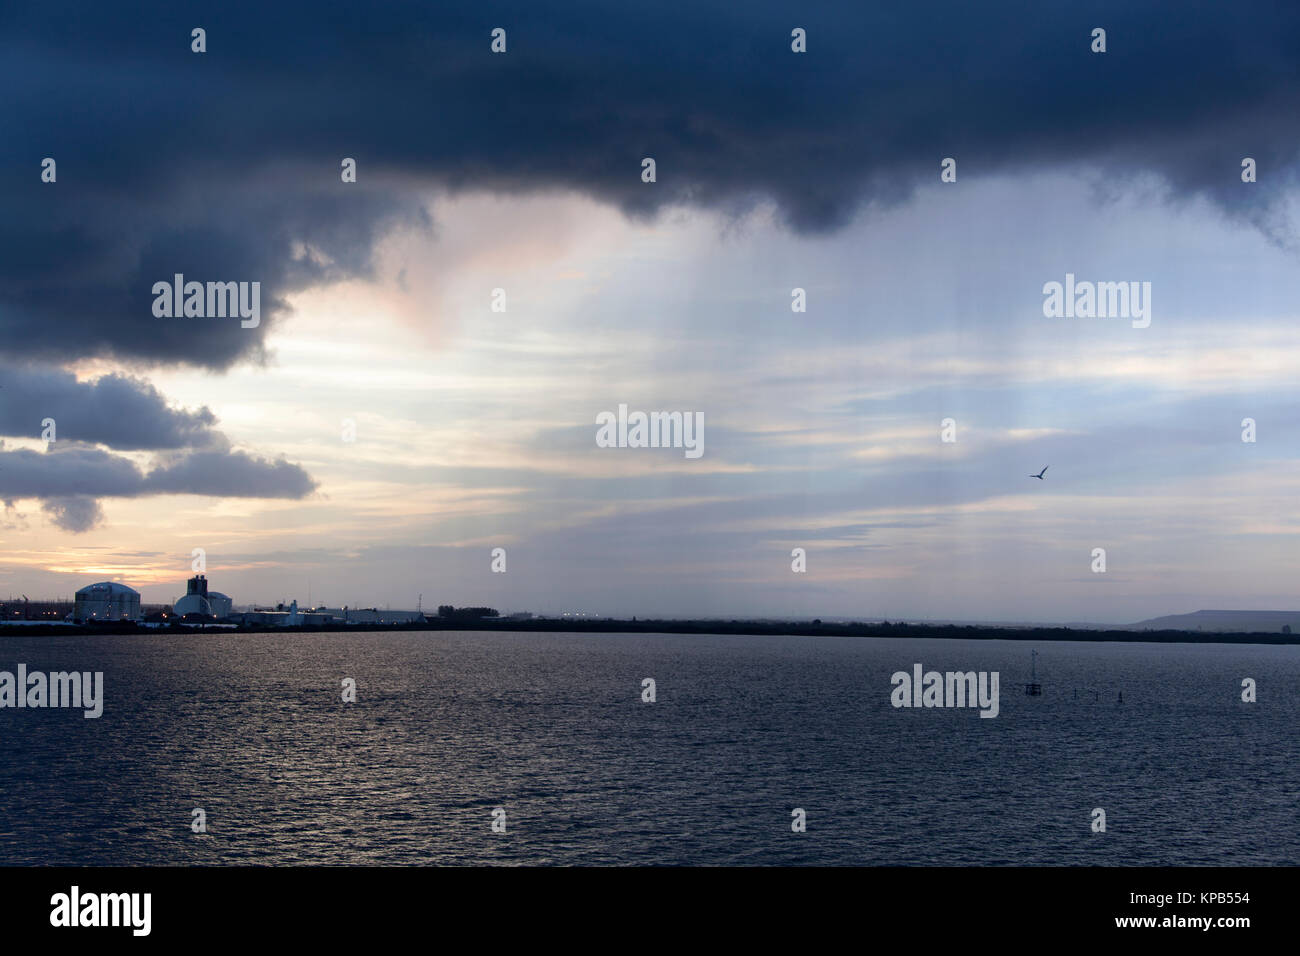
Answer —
1234 621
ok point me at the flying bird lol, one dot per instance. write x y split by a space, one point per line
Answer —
1039 476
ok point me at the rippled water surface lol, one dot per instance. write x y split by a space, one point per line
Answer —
551 727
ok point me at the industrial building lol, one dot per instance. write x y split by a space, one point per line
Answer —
39 611
200 602
293 616
371 615
220 604
289 616
106 601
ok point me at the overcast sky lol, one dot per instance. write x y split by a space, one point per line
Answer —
775 170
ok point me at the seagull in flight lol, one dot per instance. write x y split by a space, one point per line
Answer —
1039 476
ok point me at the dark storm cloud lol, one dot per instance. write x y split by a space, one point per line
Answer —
97 298
221 165
115 410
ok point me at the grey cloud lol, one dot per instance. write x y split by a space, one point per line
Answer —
76 513
69 479
234 474
67 470
115 410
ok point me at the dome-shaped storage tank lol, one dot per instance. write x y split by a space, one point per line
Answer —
106 601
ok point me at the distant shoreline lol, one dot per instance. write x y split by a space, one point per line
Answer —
755 628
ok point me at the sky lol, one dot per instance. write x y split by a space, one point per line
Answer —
384 428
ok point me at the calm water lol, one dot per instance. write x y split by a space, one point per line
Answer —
552 728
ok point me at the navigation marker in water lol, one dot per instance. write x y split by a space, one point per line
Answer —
1033 689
